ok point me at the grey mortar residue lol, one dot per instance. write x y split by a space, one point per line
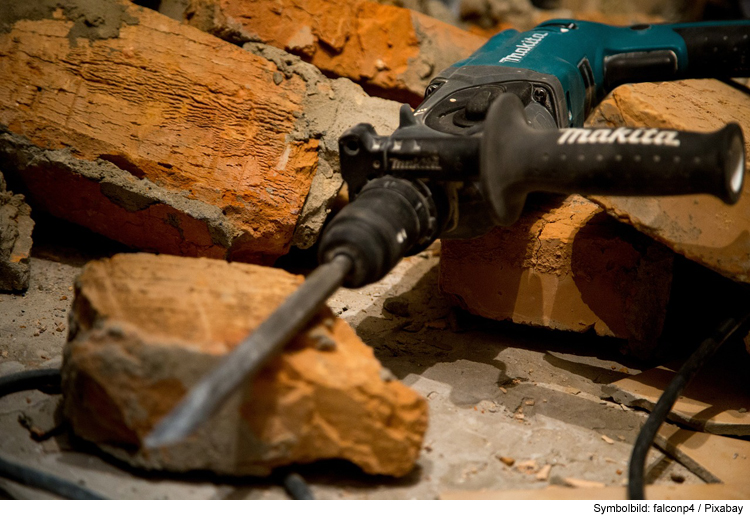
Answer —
119 186
92 19
432 59
16 227
331 106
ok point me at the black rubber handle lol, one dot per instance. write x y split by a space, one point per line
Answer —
721 51
517 159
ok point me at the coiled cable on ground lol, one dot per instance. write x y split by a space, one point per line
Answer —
681 380
45 380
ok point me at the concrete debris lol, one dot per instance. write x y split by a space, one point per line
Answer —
144 328
580 483
16 226
529 467
396 306
543 473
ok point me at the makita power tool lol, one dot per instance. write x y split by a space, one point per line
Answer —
492 128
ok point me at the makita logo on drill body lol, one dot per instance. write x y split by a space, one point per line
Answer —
632 136
526 45
417 164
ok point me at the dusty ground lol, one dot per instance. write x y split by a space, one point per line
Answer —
495 390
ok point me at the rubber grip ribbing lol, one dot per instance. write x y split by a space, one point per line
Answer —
389 217
720 51
517 159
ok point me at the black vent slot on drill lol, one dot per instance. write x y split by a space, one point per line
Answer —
588 82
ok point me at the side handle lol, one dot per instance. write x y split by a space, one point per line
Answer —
716 51
517 159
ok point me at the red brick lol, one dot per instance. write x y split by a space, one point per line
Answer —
391 51
700 227
144 328
177 141
564 265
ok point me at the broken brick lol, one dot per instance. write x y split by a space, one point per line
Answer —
16 226
700 227
170 140
391 51
145 328
564 265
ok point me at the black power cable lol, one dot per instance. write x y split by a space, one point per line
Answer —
38 479
296 487
46 380
683 377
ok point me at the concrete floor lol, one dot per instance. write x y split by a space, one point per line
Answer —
495 390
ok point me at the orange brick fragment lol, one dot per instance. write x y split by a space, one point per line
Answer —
170 140
393 52
144 328
564 265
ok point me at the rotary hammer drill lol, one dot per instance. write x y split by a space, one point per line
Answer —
505 122
492 128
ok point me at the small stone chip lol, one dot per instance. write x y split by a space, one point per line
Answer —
413 327
440 324
508 461
580 483
503 390
396 307
544 472
527 466
607 439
